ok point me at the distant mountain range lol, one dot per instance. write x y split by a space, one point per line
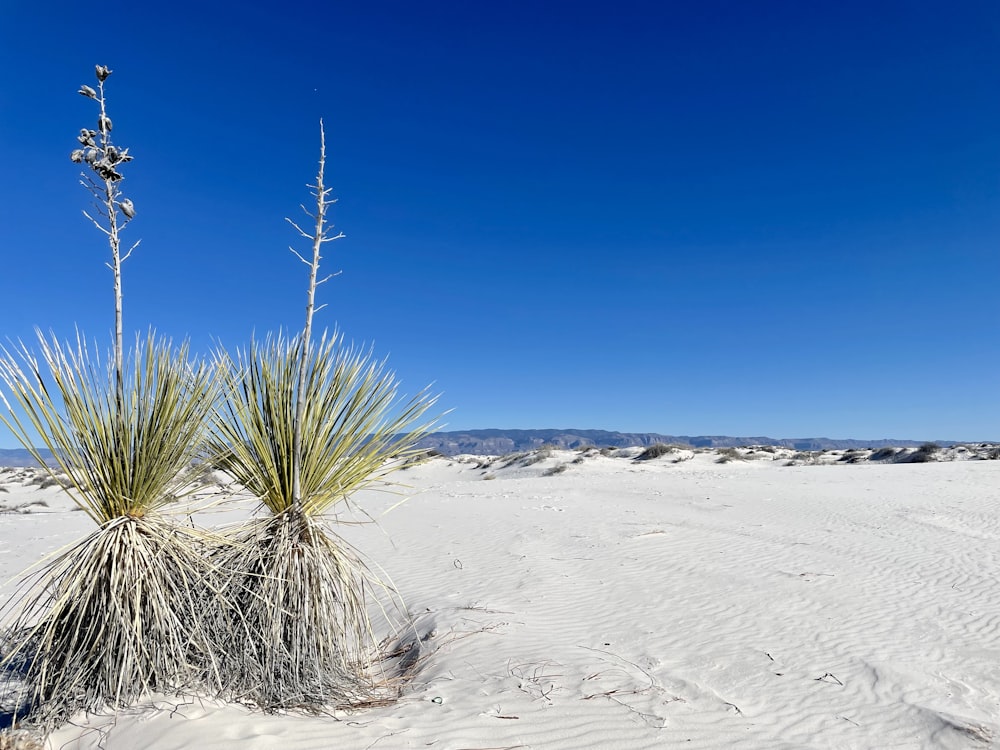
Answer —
18 457
500 442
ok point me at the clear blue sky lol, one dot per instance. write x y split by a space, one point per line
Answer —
744 218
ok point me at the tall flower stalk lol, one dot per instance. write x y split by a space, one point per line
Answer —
322 233
113 210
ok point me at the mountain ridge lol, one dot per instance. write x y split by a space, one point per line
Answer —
496 441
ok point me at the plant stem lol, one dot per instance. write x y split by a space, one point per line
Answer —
318 238
110 195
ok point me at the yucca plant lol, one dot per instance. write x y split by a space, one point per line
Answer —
120 612
304 426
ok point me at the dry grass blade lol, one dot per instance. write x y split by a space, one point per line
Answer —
15 740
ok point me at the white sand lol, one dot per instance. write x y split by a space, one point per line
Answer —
624 604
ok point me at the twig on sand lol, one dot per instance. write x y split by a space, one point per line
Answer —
532 678
657 722
652 680
833 678
390 734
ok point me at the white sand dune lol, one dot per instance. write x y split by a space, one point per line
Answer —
646 604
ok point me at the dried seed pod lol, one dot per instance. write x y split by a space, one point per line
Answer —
88 92
127 208
102 72
104 124
77 156
112 153
90 156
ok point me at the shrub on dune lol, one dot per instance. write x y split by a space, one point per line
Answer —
301 592
118 613
115 615
655 451
305 425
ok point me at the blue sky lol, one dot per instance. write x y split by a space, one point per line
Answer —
744 218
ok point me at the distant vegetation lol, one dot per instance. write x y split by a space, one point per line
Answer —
656 451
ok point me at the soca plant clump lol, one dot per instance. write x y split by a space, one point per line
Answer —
303 427
119 613
301 593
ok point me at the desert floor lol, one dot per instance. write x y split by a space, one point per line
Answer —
570 600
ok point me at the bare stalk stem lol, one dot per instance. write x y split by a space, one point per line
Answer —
321 233
104 159
110 196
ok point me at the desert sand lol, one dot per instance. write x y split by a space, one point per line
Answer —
569 600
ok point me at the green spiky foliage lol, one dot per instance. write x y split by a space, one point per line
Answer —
123 457
118 614
353 421
302 592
